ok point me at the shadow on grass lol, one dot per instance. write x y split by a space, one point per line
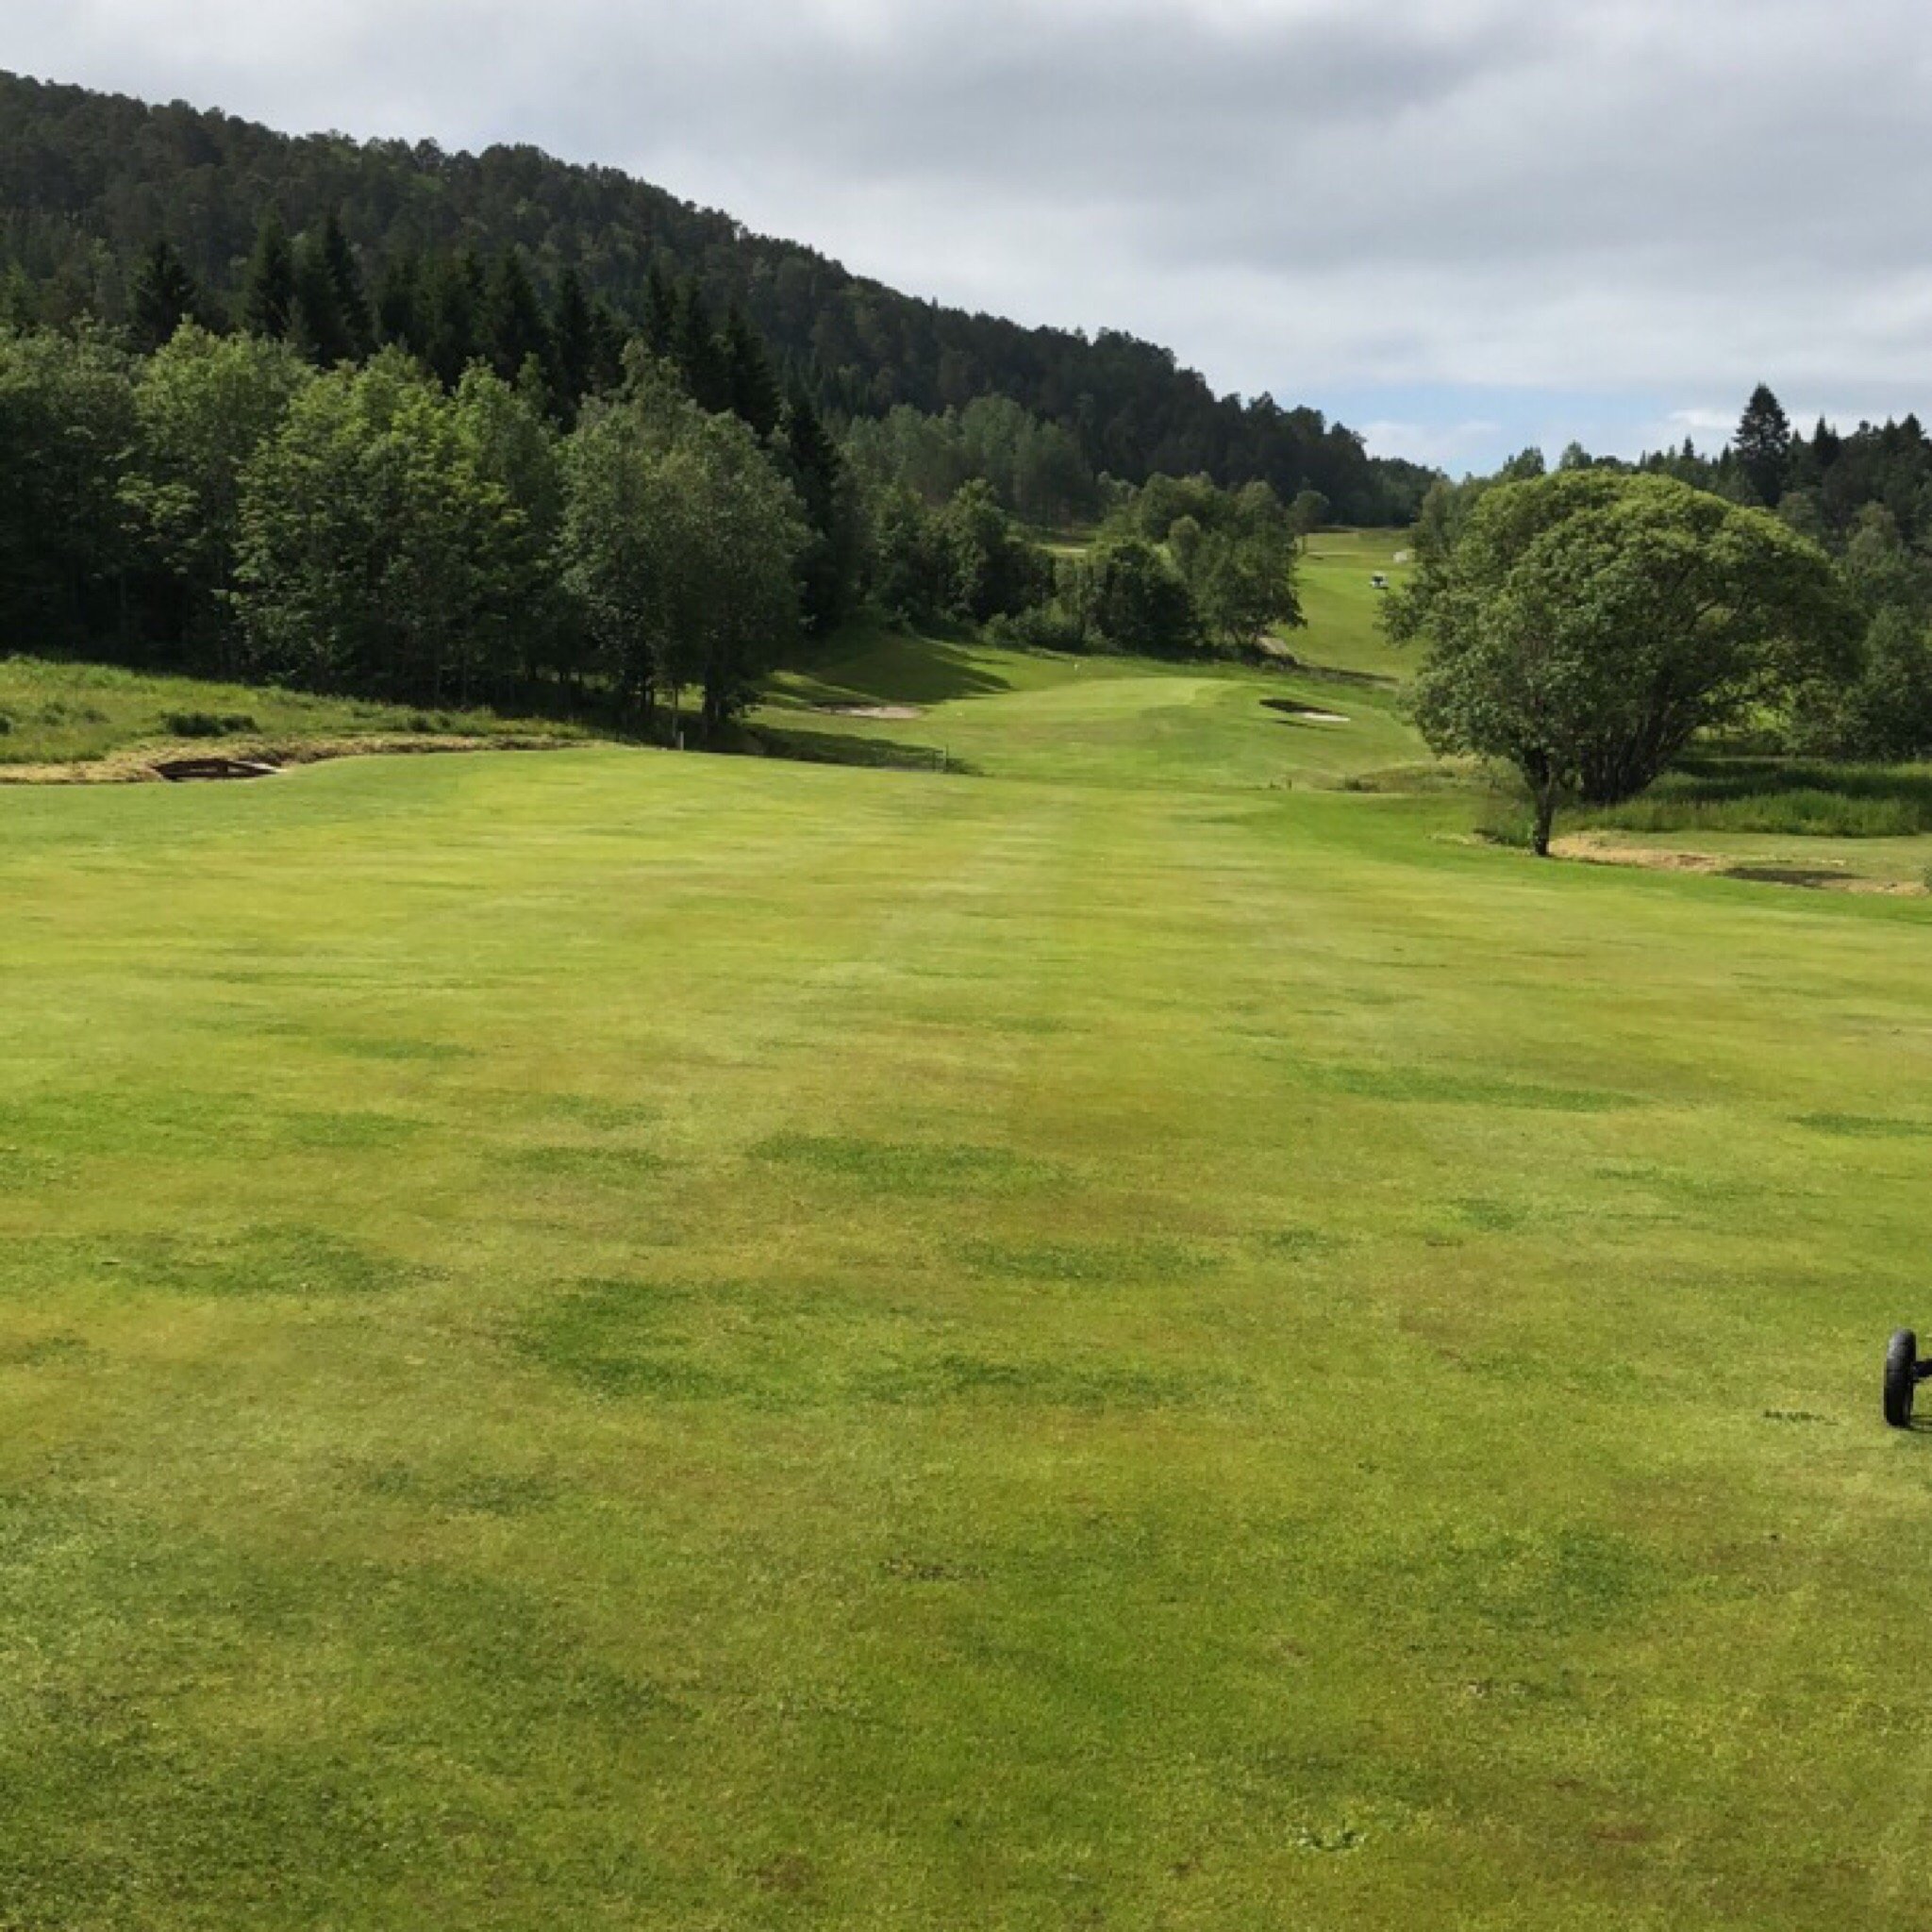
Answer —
853 748
890 668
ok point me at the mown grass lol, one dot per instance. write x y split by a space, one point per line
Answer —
626 1339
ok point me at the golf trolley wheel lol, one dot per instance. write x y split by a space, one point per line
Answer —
1900 1378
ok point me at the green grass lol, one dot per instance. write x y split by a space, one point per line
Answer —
1343 607
59 712
1793 798
635 1341
1096 720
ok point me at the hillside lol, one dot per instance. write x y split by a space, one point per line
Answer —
89 182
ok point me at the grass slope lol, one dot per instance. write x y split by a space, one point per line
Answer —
61 712
618 1340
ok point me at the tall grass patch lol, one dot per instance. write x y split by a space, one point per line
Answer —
1795 798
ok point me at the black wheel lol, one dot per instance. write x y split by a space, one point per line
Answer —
1900 1378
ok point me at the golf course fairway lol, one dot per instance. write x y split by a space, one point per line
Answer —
1122 1337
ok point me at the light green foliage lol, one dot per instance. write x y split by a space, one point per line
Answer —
682 545
1585 627
618 1341
377 556
205 405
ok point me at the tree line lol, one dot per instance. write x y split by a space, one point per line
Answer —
223 505
309 500
88 180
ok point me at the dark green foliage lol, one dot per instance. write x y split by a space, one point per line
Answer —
756 398
88 178
268 295
163 297
700 353
574 341
67 422
206 724
1139 603
320 330
346 284
400 313
515 331
660 314
452 315
832 561
1763 445
1886 712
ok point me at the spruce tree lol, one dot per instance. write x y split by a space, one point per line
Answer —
318 328
163 296
755 394
268 298
572 341
514 330
817 469
661 314
399 316
345 280
453 303
1763 444
701 355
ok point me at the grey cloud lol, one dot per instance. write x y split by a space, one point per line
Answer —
1632 194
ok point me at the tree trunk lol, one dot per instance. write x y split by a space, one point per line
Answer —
1545 819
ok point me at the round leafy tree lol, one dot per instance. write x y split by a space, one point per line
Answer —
1585 627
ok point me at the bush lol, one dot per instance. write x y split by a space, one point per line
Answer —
1043 628
206 724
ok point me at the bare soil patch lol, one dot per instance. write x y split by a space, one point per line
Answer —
1605 848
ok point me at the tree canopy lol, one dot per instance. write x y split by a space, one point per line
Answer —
1585 627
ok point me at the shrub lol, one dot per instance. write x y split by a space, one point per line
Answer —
206 724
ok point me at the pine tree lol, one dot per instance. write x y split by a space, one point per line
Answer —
755 394
163 297
1763 443
514 330
268 299
345 280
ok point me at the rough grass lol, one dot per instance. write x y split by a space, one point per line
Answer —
57 712
1797 798
618 1340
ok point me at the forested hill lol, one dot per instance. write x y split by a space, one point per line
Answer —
89 182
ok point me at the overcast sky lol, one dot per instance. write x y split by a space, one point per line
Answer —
1459 224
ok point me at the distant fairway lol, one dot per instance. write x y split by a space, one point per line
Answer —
617 1339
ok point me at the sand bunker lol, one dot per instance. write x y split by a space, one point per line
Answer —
1307 714
891 713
